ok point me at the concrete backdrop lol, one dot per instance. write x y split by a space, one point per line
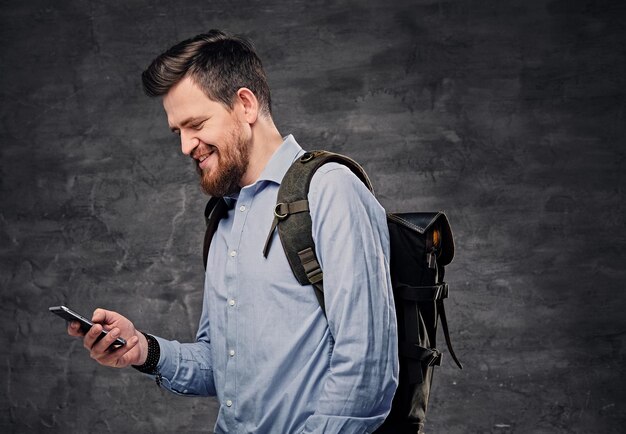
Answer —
508 115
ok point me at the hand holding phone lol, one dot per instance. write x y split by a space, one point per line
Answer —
132 351
85 325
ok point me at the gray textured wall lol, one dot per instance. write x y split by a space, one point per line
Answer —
508 115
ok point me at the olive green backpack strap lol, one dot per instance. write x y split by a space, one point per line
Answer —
292 216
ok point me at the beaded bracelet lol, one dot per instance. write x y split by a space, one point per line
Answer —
152 360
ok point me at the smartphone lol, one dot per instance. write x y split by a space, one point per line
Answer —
69 315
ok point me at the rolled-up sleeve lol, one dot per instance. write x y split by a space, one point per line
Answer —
352 244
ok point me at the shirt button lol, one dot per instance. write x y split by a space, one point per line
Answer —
229 403
231 302
231 353
233 253
242 208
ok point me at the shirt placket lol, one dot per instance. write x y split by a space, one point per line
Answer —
234 297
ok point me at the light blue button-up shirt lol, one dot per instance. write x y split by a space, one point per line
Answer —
264 346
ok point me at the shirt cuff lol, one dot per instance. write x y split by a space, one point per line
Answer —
168 358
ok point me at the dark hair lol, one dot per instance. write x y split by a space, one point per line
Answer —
219 63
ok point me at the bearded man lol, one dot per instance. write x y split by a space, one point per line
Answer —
264 346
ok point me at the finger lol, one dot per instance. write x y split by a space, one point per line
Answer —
122 356
101 348
101 315
73 329
91 336
126 359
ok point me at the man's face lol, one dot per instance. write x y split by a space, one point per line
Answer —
211 135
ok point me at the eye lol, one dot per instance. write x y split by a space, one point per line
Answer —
197 126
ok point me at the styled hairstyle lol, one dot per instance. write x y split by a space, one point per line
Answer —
219 63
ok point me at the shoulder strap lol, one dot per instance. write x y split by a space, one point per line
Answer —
216 209
293 218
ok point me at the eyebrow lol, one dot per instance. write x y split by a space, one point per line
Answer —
186 122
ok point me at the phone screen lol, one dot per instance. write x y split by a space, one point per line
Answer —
69 315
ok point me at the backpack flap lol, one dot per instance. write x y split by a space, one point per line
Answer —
422 222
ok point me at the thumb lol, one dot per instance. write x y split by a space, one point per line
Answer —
130 357
102 316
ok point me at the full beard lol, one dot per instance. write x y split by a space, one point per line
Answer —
232 163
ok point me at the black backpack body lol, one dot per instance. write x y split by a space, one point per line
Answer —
421 246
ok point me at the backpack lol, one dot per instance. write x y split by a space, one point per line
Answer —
421 246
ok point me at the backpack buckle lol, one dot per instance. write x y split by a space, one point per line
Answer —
311 266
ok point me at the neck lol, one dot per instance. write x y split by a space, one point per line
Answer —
265 140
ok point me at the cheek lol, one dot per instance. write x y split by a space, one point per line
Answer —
217 134
211 141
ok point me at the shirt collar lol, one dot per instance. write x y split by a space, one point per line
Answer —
276 168
280 162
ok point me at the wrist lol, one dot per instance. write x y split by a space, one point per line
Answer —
143 348
150 353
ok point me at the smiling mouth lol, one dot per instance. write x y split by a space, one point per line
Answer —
201 160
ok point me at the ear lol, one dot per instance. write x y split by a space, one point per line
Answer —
248 104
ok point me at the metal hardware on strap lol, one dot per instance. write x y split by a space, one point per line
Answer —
311 266
314 274
283 210
421 293
418 356
436 358
307 156
414 351
277 213
431 258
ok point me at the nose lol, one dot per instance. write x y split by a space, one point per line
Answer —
188 143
